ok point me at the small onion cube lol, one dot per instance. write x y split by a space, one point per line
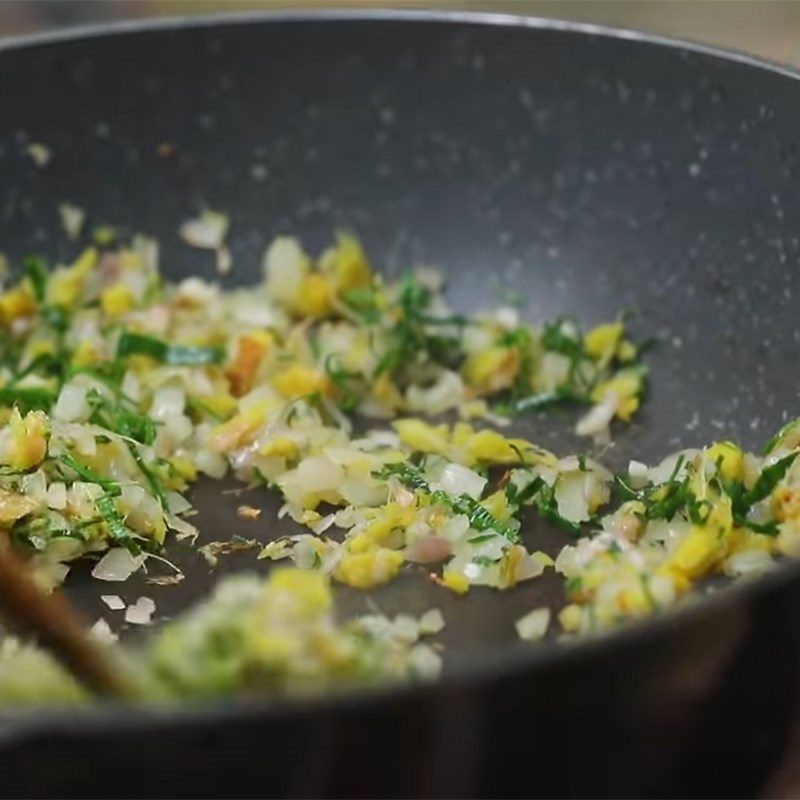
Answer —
456 480
113 601
425 663
71 404
431 622
596 421
207 231
101 632
141 612
72 219
118 564
533 625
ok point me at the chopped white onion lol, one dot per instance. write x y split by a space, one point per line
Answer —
34 485
40 154
322 525
184 529
147 249
197 291
141 612
117 565
446 393
207 231
376 439
405 628
664 471
431 622
168 401
529 567
572 497
456 480
313 474
303 553
57 496
72 219
285 267
71 404
101 632
425 663
533 625
428 550
507 317
455 528
113 601
596 422
210 463
747 562
637 472
177 503
224 260
429 277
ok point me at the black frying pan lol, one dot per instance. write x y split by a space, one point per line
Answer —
594 172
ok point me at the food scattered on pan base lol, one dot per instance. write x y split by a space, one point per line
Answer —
280 634
252 635
118 390
697 513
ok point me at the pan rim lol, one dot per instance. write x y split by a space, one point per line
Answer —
481 669
477 18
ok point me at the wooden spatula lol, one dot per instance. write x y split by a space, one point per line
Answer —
57 626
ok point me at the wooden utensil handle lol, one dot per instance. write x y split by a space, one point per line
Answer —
57 625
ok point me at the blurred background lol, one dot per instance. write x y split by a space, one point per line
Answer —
767 28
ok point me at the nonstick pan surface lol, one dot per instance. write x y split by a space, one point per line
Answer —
593 172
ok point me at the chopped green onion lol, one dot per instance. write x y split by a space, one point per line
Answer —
535 402
484 537
549 510
121 421
109 373
117 529
46 362
198 405
38 274
152 481
363 302
768 480
480 518
27 399
55 317
87 474
342 380
557 341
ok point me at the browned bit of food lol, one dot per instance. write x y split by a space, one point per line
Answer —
166 580
248 512
213 550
